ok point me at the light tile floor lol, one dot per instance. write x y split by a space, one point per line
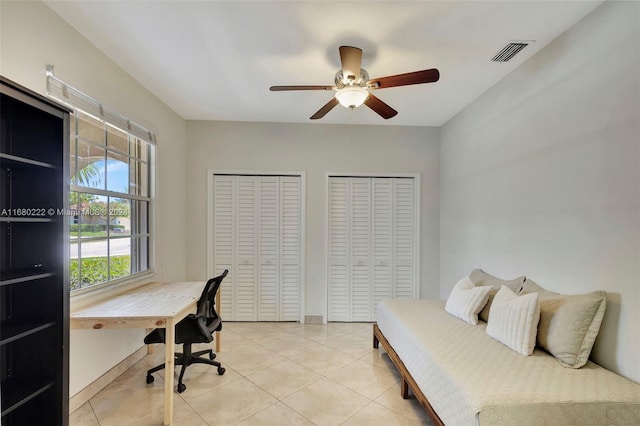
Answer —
277 374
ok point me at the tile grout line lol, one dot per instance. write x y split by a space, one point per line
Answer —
357 412
324 375
326 336
94 413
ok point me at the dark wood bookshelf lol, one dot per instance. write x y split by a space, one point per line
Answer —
34 259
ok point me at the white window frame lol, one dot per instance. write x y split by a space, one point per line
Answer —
150 199
77 100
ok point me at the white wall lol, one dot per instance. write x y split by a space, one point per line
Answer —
31 37
541 176
316 149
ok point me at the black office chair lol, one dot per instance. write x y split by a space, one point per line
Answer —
195 328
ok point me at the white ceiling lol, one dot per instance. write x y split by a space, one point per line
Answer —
215 60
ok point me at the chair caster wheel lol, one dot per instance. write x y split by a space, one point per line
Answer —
181 387
212 356
150 379
221 370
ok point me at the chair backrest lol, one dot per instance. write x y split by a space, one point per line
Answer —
206 310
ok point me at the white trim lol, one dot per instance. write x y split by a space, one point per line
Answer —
416 218
416 224
210 227
303 246
373 174
105 193
325 249
303 222
153 167
88 295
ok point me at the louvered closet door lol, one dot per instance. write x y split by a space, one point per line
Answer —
360 238
404 285
268 250
224 239
382 234
246 233
371 245
339 297
290 248
258 237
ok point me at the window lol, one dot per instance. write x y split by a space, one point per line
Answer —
109 203
111 191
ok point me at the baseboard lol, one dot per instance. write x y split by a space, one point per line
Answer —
80 398
313 319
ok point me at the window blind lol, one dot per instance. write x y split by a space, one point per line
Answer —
68 94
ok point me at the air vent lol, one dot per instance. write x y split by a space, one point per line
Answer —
509 51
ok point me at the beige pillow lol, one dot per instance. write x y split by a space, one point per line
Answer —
513 320
466 300
569 324
481 278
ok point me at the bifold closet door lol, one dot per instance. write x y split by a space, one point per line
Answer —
371 244
268 250
359 248
290 247
393 241
257 233
235 244
405 282
382 239
224 241
339 295
279 248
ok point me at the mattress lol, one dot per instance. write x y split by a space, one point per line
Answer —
471 379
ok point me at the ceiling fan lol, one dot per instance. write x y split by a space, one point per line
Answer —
353 85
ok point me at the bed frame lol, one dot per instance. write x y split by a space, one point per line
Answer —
407 381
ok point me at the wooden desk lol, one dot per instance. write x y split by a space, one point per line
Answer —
155 305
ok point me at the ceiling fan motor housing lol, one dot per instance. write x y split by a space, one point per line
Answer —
343 81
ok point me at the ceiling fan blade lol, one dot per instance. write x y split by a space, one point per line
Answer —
351 58
284 88
325 109
384 110
416 77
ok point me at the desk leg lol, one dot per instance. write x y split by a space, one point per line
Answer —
169 361
218 341
150 348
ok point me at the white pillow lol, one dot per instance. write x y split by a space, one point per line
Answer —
513 320
479 277
466 300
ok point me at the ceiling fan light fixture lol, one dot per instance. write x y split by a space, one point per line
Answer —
351 96
352 88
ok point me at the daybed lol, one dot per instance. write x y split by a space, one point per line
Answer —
463 376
